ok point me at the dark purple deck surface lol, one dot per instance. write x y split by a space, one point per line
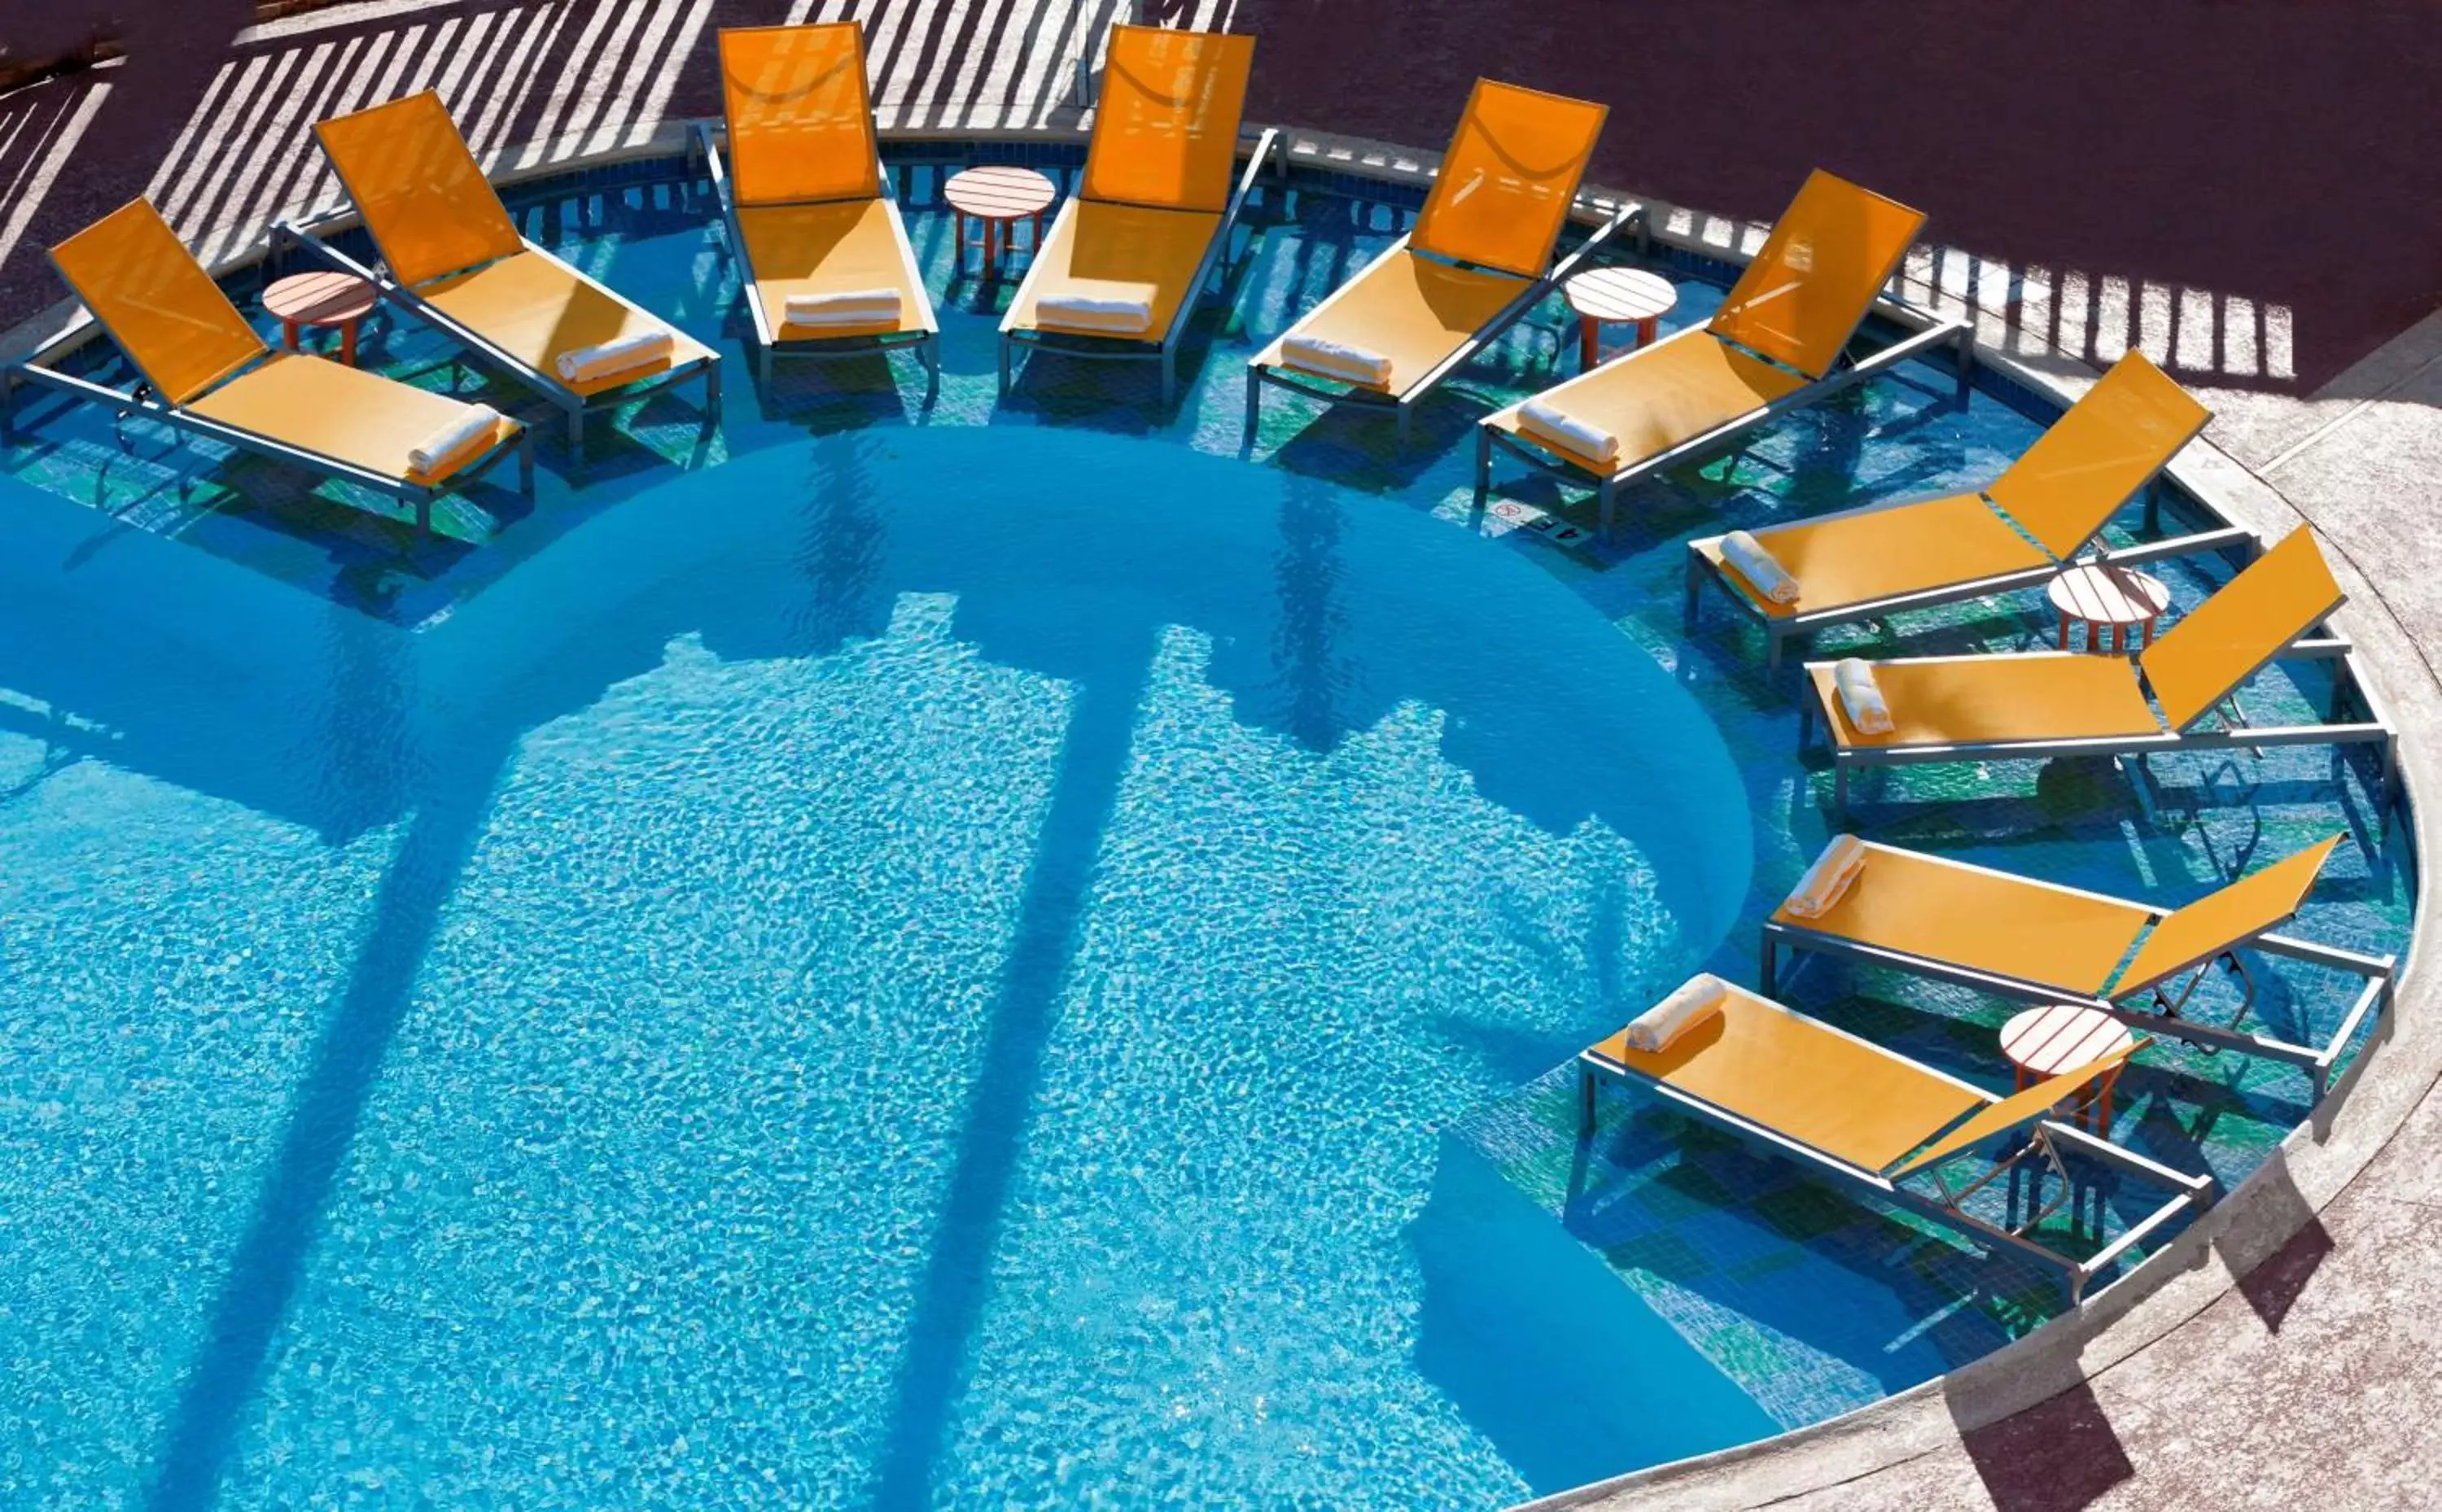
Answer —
2266 150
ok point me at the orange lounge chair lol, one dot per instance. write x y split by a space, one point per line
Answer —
207 372
1776 343
1156 209
2017 938
2018 532
1479 258
1873 1119
807 204
455 259
2033 706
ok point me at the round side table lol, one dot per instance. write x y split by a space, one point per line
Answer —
2109 601
999 197
320 300
2062 1038
1616 296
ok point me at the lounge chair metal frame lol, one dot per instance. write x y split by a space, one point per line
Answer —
2046 1140
142 400
2235 733
1629 215
1929 331
1781 630
1115 348
311 237
706 137
2316 1060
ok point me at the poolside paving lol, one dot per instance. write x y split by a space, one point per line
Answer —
2313 1380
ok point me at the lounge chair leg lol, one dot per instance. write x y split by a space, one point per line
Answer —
1169 377
423 518
1004 367
1483 465
526 463
1773 643
1405 410
1695 584
1769 973
1585 1095
931 351
1608 494
1254 406
711 394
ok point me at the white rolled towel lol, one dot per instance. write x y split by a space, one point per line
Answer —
1550 423
843 307
1861 695
1119 314
1658 1026
1759 566
469 433
1827 880
1336 359
603 358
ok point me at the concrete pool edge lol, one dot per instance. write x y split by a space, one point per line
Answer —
2313 1164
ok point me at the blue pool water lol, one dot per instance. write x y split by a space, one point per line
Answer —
1005 956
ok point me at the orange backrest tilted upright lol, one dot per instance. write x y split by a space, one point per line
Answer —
1166 132
1508 181
2118 435
2219 644
422 196
157 303
1828 256
800 120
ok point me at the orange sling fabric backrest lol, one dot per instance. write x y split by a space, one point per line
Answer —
1828 256
157 303
2105 449
2229 916
800 120
1507 180
1166 132
424 198
2219 644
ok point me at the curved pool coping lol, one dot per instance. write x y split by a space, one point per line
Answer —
2356 1121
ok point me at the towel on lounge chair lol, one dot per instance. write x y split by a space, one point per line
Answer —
1862 695
1553 423
603 358
451 442
845 307
1699 999
1121 314
1344 361
1827 879
1759 566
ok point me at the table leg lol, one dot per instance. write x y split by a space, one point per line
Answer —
288 335
2064 634
2148 641
995 240
2019 1077
1646 328
348 343
959 237
1589 342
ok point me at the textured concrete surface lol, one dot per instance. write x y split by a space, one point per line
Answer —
2127 174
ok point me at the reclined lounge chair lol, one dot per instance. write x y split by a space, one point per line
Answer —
2017 938
1479 258
2031 706
1119 275
455 259
807 207
208 374
1863 564
1875 1120
1776 343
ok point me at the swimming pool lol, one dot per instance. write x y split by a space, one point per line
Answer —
1009 956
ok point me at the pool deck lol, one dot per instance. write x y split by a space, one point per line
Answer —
2290 1363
